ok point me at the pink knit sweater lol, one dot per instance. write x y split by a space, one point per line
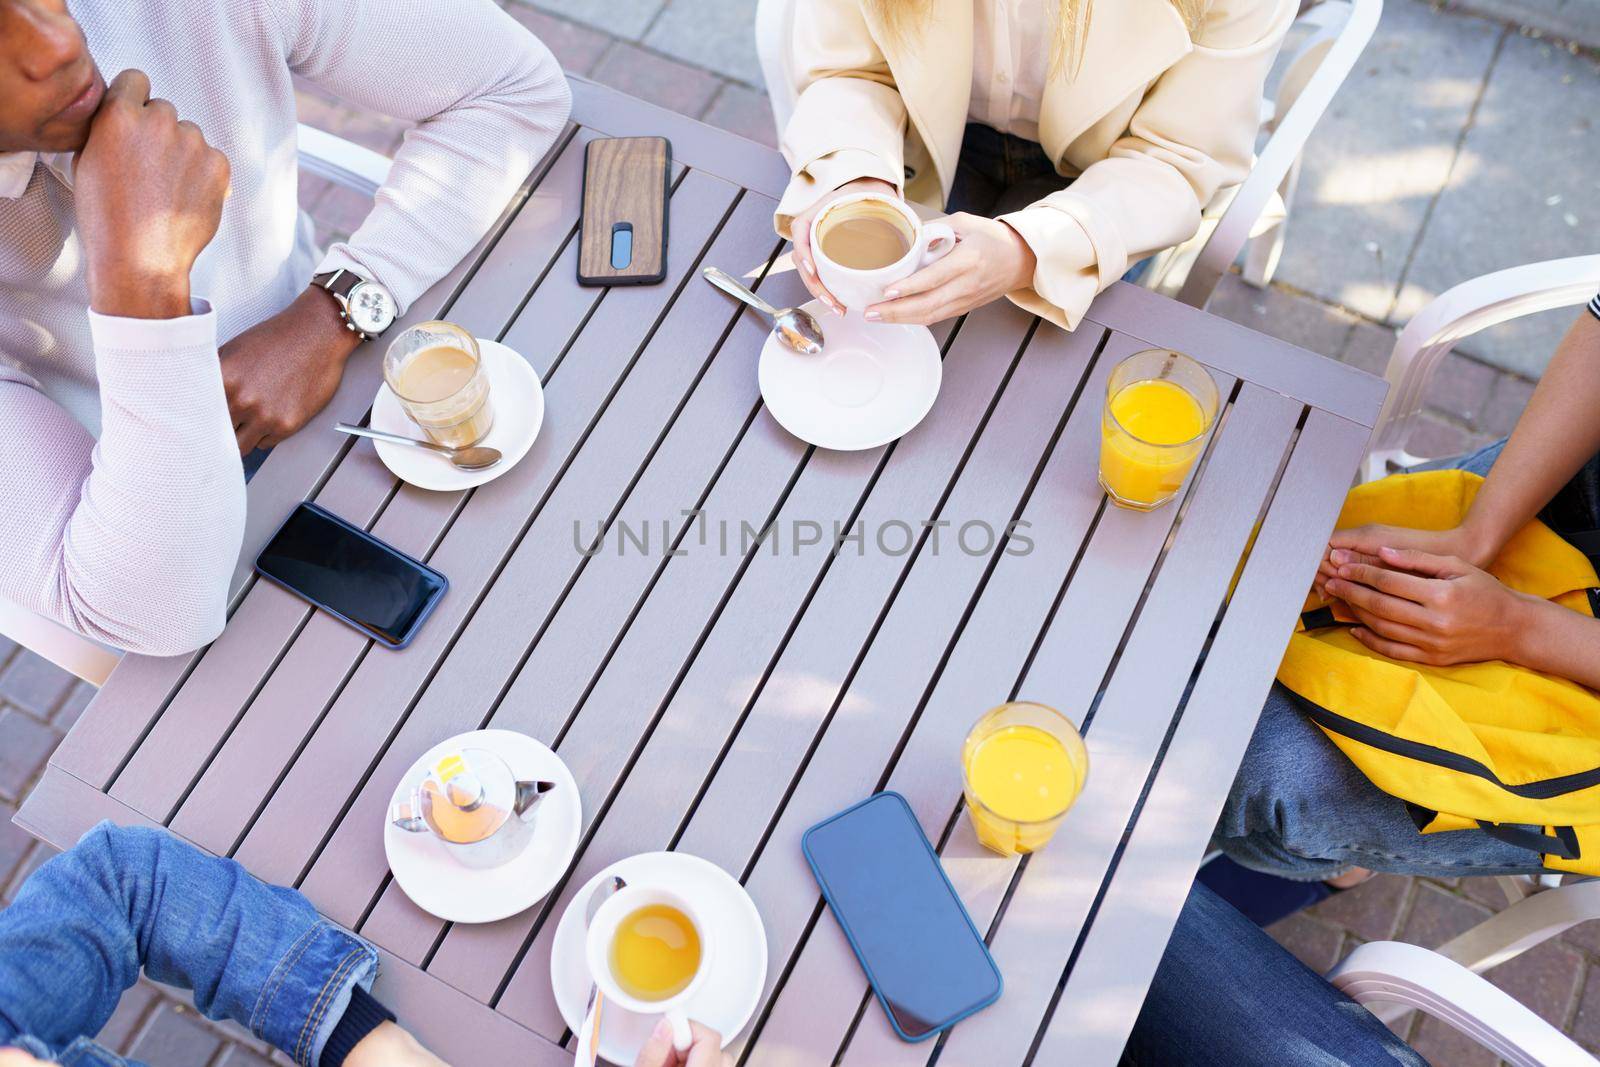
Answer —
131 539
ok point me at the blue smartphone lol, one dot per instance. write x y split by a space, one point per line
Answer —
925 959
350 574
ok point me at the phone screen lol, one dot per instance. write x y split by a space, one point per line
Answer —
925 959
353 575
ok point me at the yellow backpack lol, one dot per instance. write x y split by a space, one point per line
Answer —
1486 746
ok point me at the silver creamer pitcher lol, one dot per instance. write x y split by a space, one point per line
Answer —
471 801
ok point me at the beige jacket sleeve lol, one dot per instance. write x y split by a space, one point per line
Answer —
1193 134
839 71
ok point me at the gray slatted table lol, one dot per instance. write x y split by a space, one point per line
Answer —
720 701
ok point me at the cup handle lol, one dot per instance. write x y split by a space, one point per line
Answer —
407 814
682 1036
937 241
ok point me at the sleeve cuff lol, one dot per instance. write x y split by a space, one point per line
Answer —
342 257
198 329
309 994
826 173
363 1015
1065 278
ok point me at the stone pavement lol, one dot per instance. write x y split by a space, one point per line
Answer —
1463 143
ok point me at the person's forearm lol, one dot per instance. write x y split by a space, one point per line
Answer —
1559 641
1556 435
491 103
130 541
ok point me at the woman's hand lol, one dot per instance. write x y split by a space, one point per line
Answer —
800 234
990 259
1428 608
705 1052
1366 541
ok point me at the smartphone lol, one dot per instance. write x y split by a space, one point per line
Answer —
351 575
622 238
881 878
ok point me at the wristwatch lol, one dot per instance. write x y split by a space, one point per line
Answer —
368 308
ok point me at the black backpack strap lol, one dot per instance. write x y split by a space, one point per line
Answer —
1563 844
1587 542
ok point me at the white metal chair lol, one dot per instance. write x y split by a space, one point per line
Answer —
1395 979
1392 979
1254 211
321 154
1451 318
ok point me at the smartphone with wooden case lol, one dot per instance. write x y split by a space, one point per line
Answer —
623 235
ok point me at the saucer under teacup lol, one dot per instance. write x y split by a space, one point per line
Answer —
872 384
518 400
442 886
727 996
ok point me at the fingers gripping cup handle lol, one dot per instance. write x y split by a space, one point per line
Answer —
682 1035
937 241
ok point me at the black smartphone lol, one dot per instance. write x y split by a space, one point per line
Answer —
351 575
622 237
881 878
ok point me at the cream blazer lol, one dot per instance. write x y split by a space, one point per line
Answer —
1152 126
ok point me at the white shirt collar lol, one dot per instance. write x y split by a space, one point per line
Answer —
16 170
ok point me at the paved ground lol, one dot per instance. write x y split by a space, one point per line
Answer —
1462 144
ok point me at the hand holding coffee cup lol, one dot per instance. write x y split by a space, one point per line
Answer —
649 952
865 242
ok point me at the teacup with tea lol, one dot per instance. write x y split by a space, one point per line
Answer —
866 242
649 952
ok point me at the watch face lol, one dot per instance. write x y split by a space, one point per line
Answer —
371 308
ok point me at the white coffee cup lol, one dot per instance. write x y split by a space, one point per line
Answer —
858 289
603 931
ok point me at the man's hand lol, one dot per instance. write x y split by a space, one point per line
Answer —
990 259
705 1052
800 234
1427 608
280 373
149 194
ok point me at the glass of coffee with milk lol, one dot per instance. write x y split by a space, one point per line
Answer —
436 370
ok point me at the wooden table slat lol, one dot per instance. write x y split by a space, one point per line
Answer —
354 866
1057 887
1146 892
327 772
662 786
987 658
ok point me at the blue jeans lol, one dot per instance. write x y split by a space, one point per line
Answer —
1301 810
999 173
1226 993
84 923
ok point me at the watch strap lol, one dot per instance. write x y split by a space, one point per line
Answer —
339 282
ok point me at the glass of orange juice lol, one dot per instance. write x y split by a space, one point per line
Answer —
1160 405
1023 765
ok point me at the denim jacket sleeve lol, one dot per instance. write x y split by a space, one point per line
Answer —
83 925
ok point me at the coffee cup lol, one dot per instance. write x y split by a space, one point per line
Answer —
865 242
649 951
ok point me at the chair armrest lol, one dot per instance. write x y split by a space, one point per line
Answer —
71 651
1288 138
341 162
1395 973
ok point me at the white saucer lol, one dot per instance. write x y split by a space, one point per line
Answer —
440 885
731 991
871 385
518 401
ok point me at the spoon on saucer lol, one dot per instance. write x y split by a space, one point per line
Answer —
794 327
588 1036
476 458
